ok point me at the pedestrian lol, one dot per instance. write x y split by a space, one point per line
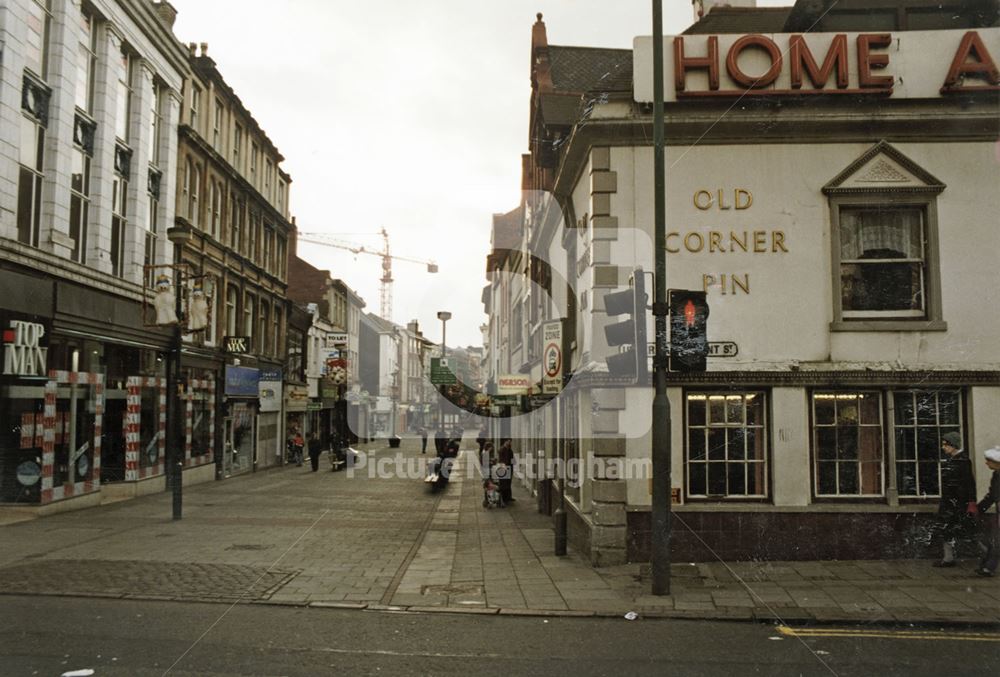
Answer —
481 440
315 449
504 471
440 439
487 459
423 440
298 446
958 496
990 535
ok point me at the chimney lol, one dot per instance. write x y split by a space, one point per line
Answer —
192 49
166 12
204 49
293 241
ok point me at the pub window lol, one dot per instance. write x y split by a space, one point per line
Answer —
921 418
726 445
883 264
848 453
883 217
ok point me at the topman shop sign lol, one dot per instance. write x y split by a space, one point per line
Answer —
23 352
900 65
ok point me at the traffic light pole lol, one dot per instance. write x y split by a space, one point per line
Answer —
661 452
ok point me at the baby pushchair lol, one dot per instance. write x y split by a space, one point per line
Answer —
491 495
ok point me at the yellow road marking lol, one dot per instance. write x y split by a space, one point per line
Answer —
890 634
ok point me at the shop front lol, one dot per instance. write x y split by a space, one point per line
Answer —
239 427
270 430
297 417
82 395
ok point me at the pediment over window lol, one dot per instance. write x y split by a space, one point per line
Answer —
880 169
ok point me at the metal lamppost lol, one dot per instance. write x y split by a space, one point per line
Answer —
179 236
444 316
661 451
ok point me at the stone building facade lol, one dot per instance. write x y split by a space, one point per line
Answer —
833 195
232 202
90 98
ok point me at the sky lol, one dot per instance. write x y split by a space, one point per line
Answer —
410 116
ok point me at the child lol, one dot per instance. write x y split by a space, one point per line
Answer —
491 495
991 526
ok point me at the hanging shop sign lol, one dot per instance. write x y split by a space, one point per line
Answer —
242 381
236 345
513 384
552 358
296 398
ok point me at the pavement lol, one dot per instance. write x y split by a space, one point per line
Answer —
381 540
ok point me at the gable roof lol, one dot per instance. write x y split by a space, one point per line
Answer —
582 69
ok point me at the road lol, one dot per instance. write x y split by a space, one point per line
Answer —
136 638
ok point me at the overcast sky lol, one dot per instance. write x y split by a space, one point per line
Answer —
407 115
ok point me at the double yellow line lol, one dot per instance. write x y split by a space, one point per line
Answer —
922 635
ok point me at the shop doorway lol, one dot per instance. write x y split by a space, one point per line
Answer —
239 442
113 440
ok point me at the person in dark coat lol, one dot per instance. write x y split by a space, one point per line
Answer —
481 440
504 471
315 449
990 542
423 440
958 496
440 439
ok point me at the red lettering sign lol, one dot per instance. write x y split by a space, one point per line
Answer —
982 65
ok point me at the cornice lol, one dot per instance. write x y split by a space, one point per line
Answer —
826 379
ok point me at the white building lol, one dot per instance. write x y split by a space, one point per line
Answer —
90 96
835 196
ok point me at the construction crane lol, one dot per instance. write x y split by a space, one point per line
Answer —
385 290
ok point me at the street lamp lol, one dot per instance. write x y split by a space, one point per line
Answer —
179 236
444 316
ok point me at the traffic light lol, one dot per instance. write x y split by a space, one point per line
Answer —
688 330
629 334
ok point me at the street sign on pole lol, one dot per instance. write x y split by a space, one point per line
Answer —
441 375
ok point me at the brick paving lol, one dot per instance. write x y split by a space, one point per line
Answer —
292 536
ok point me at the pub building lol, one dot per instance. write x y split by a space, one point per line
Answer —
831 187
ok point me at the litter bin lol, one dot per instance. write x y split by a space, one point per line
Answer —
394 441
